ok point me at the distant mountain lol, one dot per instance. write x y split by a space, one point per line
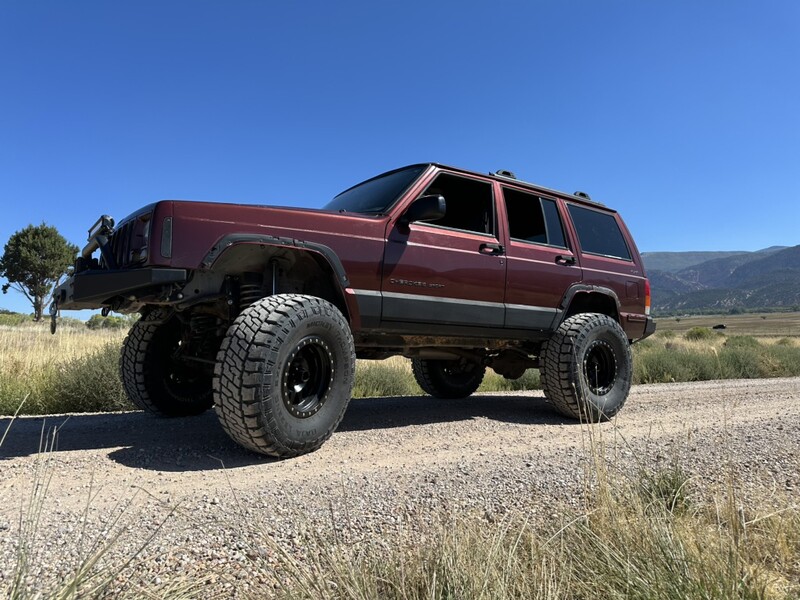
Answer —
675 261
725 281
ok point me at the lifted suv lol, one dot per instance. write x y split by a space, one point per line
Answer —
262 311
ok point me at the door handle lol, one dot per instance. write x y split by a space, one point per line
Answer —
491 249
565 260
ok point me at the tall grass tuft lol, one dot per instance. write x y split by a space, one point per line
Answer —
638 536
93 572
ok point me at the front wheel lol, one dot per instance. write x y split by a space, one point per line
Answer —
284 375
587 367
448 379
155 377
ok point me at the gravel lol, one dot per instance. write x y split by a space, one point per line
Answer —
203 508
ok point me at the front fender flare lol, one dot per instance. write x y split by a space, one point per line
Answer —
233 239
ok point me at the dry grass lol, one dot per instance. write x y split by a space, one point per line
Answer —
760 325
75 370
37 365
29 349
647 535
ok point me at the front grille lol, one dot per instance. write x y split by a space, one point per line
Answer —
129 242
121 243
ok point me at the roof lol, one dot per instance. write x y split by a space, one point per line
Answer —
499 176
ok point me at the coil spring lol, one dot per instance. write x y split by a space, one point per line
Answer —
200 326
249 293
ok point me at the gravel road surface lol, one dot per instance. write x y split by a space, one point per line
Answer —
395 464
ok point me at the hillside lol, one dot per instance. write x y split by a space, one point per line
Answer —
726 281
672 262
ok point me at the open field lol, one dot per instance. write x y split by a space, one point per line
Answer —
760 325
76 370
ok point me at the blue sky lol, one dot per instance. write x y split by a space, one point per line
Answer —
682 115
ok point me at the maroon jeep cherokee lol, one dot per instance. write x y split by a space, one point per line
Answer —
262 311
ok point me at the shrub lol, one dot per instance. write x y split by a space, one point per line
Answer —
696 334
740 362
673 363
493 382
780 361
384 378
90 383
14 319
742 341
109 322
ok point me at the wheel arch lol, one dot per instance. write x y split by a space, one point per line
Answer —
313 263
590 299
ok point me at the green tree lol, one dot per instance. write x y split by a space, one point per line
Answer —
33 260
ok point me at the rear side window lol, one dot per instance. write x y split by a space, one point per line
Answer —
533 219
599 233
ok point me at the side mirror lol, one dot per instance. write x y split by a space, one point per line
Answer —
425 208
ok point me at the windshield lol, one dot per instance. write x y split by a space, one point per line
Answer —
377 195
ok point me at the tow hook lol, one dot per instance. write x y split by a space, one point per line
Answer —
53 316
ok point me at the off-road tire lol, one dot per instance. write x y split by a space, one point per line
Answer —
153 380
587 367
447 379
284 375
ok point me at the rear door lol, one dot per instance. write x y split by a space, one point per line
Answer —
541 264
451 272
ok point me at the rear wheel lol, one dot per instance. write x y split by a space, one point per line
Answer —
153 375
587 367
285 374
447 379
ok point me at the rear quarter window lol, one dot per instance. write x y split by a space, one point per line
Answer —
599 233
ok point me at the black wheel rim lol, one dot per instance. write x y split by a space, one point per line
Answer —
600 367
183 382
307 377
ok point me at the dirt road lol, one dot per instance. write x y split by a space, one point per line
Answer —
394 463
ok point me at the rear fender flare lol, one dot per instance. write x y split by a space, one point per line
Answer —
574 291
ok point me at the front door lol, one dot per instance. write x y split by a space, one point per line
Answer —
450 272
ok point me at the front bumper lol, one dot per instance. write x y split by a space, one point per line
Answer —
100 288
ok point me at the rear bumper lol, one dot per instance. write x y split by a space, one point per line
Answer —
97 288
649 328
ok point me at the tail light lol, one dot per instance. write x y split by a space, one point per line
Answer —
647 296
